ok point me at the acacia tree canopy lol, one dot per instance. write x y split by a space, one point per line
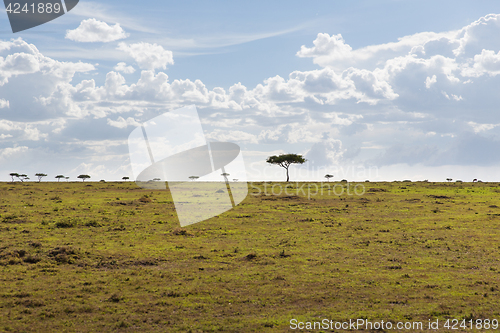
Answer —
285 160
40 176
23 177
83 177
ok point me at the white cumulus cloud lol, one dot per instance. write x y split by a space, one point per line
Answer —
325 45
92 30
488 62
148 56
122 67
4 103
429 81
478 128
9 152
123 123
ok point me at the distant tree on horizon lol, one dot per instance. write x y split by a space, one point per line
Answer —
449 179
285 160
83 177
193 177
225 174
23 177
40 176
327 176
125 178
59 177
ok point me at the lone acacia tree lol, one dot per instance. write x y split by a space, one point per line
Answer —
59 177
83 177
285 160
14 174
40 176
328 177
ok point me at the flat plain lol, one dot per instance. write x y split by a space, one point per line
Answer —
102 257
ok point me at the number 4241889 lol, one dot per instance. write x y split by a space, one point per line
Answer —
454 324
40 8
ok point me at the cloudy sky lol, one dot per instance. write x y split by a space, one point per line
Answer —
379 90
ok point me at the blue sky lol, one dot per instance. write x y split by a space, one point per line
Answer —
378 90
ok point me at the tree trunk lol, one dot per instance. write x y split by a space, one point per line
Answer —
287 176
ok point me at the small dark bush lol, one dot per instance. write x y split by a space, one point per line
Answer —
93 223
250 256
63 254
31 259
115 298
65 224
145 199
180 232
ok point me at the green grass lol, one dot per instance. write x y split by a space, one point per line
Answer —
102 257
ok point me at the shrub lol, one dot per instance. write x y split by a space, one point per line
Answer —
93 223
145 199
65 224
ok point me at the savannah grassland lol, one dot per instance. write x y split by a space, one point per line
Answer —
102 257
